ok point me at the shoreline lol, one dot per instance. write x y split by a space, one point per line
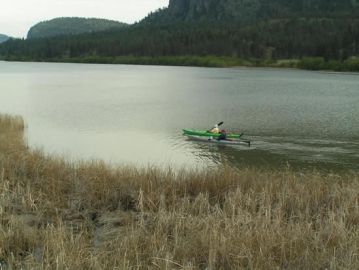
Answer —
74 215
310 64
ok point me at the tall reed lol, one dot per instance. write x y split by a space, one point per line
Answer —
85 215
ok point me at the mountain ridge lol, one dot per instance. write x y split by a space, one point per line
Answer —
3 38
71 26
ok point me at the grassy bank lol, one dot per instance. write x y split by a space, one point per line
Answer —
309 63
60 215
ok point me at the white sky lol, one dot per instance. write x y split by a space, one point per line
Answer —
17 16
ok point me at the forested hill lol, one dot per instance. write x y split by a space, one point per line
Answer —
253 10
3 38
264 31
71 26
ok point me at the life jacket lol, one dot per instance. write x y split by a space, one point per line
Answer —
214 130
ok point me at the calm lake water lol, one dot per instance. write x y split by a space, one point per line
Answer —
127 114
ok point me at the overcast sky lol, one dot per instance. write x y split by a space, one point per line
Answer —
17 16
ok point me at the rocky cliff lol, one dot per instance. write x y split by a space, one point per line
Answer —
244 10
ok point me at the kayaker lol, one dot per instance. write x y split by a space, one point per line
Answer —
222 135
215 129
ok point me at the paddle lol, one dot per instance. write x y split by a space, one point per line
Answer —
249 142
245 141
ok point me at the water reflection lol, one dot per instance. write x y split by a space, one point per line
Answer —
269 152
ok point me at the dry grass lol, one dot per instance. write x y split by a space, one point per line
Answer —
60 215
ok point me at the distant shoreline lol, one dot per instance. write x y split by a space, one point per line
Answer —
313 63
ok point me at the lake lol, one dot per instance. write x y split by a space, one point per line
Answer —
126 114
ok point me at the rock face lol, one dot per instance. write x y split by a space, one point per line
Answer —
189 9
244 10
178 8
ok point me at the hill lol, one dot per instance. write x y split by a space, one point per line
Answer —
3 38
187 32
71 26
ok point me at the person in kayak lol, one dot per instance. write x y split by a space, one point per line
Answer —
214 130
222 136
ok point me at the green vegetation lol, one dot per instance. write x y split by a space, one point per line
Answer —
205 61
60 215
266 41
3 38
319 63
196 61
71 26
200 61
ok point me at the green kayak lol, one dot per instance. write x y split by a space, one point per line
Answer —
205 133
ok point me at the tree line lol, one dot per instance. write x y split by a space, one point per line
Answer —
295 38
